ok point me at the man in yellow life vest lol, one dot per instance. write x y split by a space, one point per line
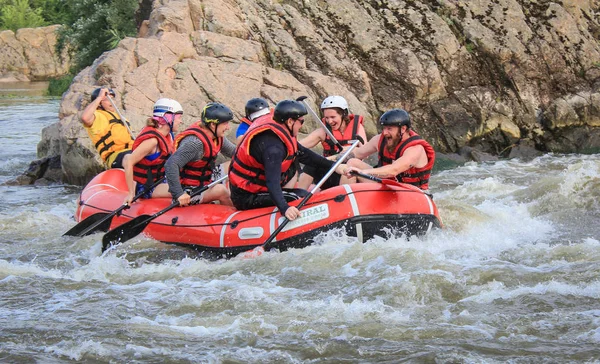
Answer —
107 131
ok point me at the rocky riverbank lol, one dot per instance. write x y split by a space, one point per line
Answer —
501 77
30 55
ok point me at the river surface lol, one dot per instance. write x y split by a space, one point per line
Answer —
513 277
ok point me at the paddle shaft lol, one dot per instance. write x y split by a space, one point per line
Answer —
267 244
316 117
137 225
120 115
367 176
196 191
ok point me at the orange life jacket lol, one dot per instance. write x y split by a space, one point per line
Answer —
415 176
245 172
148 171
199 172
329 147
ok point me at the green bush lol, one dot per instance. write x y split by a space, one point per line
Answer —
97 26
17 14
58 86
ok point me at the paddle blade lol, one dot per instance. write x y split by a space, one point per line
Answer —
90 224
391 182
126 231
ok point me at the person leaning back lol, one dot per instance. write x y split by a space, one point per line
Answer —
262 171
108 133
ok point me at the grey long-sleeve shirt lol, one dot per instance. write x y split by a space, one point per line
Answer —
190 149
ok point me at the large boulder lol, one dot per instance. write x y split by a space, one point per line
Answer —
30 55
480 74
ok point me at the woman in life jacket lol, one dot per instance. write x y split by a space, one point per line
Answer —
197 147
151 149
254 109
344 126
403 154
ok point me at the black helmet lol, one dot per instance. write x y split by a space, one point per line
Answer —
254 105
96 93
215 112
397 117
287 109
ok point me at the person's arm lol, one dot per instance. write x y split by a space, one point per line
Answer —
241 130
409 158
145 148
190 149
273 156
361 133
314 138
366 150
228 148
87 115
308 157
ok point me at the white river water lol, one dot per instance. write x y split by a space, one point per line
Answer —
513 277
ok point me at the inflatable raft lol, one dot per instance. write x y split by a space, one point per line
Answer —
363 210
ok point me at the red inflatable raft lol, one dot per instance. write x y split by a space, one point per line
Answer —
363 209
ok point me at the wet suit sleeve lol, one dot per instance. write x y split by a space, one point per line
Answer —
271 152
308 157
190 149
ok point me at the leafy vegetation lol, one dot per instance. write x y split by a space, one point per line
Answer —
57 86
18 14
90 27
96 26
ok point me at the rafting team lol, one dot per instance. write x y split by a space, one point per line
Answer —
265 161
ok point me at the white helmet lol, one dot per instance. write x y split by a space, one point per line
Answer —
164 105
334 101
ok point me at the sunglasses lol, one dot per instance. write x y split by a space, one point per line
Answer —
301 120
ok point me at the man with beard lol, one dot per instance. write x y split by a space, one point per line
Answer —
403 154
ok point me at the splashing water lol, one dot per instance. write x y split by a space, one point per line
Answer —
513 276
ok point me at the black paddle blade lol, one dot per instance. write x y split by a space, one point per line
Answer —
126 231
90 224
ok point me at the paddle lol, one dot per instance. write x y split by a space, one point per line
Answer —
125 122
267 244
390 182
132 228
316 117
101 221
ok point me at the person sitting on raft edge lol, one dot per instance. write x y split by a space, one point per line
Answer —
151 149
344 126
262 171
403 154
194 159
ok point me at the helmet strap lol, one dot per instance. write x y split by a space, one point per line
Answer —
290 129
214 132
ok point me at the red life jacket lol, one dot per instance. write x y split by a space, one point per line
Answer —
329 147
245 172
246 121
148 171
199 172
415 176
